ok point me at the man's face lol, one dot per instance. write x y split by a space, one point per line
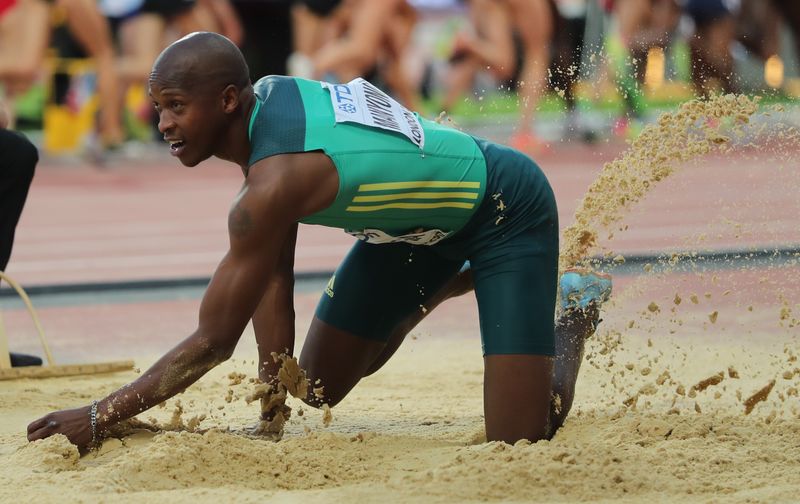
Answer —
192 122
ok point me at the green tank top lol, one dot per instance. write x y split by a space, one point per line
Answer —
418 187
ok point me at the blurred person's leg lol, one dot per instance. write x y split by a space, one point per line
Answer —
17 165
630 18
141 40
489 45
87 24
639 26
393 67
267 36
308 35
565 68
492 42
24 35
534 21
225 20
712 61
460 76
184 17
758 27
790 11
358 51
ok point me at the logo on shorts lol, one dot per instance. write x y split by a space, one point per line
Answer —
329 288
421 237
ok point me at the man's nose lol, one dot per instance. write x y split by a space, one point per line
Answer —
165 122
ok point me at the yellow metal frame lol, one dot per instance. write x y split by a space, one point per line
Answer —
51 369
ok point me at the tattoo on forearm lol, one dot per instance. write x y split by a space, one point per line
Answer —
239 221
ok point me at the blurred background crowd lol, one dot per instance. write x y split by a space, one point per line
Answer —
76 70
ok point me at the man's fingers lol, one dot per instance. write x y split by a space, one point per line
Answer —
39 434
36 425
42 428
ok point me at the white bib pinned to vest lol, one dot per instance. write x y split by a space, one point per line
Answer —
360 102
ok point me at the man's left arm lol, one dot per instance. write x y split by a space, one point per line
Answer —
273 320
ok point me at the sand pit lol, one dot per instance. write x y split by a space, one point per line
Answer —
414 431
689 392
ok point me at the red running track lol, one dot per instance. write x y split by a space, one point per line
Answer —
157 219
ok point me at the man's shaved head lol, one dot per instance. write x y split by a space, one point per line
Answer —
201 89
201 60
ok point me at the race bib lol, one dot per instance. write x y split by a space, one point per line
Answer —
429 237
360 102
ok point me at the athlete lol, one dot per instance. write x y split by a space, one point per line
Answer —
423 198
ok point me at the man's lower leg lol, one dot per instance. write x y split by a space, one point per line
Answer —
581 295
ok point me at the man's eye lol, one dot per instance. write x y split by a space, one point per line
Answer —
176 106
157 107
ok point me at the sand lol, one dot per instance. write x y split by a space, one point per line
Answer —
721 124
694 401
414 431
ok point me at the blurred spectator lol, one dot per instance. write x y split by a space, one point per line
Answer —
498 30
637 26
24 33
221 18
267 31
760 22
485 44
565 69
534 22
17 165
145 27
789 10
715 30
374 38
313 25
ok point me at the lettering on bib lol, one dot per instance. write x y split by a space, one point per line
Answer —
429 237
360 102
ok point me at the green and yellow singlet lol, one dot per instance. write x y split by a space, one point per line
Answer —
401 177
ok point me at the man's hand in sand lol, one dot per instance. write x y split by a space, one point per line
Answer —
73 423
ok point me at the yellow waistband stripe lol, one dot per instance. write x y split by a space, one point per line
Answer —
415 195
419 184
410 206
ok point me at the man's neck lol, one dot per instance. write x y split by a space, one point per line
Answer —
236 147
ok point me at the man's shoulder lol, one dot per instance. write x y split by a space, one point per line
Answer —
279 124
269 82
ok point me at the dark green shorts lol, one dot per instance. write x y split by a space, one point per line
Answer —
510 243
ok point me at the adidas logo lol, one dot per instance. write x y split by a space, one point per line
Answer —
329 287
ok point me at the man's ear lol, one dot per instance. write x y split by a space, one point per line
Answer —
230 98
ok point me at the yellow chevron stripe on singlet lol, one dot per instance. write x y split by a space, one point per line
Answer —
410 206
418 184
415 195
446 196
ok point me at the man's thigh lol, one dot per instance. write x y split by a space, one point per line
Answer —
516 288
376 288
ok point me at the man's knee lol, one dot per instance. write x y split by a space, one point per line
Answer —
322 389
335 360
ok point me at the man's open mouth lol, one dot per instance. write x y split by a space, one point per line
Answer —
176 147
